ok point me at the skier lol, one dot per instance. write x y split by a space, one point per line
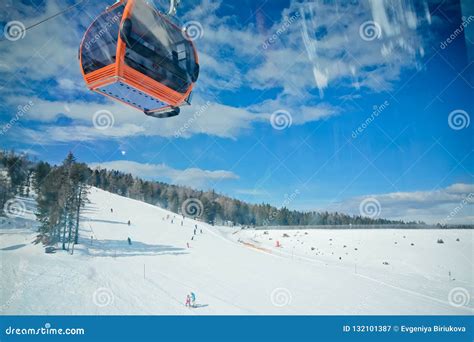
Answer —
188 301
111 210
193 300
128 223
187 244
129 241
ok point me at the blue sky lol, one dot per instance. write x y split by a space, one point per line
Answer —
368 87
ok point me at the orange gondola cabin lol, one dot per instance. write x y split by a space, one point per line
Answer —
137 55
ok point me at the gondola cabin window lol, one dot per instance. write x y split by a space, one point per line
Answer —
100 42
157 48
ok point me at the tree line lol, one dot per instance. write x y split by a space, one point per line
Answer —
219 209
61 192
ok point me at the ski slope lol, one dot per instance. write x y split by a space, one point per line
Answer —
232 271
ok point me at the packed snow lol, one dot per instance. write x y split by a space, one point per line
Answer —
231 270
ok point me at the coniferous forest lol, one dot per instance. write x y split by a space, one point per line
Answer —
61 193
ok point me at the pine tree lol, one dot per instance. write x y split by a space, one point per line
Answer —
6 191
62 192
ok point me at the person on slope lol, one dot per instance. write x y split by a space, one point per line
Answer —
188 301
193 300
128 223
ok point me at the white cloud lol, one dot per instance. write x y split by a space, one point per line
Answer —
330 33
29 152
217 119
451 205
251 192
200 118
53 134
319 50
194 177
71 85
300 114
460 188
48 50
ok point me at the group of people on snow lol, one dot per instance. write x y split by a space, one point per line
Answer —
129 240
194 233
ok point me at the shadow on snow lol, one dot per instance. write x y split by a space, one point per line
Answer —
12 248
104 221
121 248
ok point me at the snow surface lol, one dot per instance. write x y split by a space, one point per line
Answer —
232 271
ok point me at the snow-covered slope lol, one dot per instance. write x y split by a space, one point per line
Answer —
232 271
